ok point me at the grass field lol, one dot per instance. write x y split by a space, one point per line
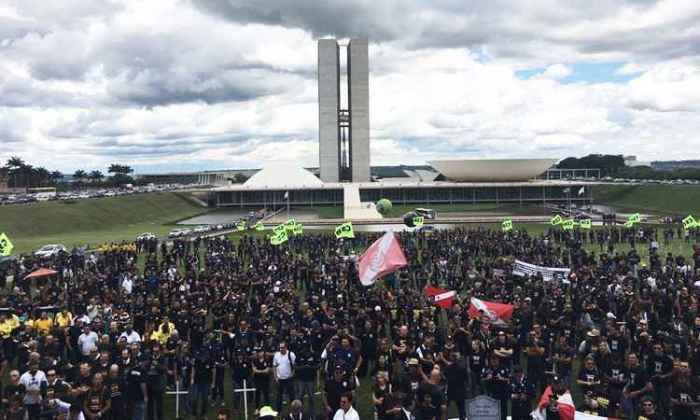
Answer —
661 199
93 221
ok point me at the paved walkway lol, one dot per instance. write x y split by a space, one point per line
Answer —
354 209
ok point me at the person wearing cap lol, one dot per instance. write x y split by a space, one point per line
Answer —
267 413
346 410
335 388
34 381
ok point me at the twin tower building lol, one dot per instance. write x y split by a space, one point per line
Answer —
343 120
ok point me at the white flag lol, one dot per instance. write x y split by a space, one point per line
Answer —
286 195
582 190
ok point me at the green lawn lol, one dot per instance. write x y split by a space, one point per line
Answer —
662 199
92 221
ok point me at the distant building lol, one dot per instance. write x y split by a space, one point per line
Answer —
343 131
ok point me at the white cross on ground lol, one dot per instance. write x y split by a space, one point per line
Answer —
245 390
177 394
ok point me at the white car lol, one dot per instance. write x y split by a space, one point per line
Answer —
50 250
146 236
176 233
201 229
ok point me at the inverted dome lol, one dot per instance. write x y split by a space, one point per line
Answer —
491 170
283 175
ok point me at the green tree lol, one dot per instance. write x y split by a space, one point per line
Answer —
96 176
79 176
55 177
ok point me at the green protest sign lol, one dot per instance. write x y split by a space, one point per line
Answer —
689 222
259 226
635 218
241 226
556 220
279 237
507 225
345 231
629 224
418 221
298 229
586 224
289 225
5 246
568 224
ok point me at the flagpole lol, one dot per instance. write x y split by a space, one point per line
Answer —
287 196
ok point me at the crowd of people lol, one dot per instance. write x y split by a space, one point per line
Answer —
291 329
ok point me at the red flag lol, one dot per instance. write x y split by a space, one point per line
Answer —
498 313
384 256
565 404
440 297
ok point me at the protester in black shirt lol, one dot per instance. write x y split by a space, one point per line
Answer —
116 387
156 381
136 391
262 371
457 376
521 394
306 371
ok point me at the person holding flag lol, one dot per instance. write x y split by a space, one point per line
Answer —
383 257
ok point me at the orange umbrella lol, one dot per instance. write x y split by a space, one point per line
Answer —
42 272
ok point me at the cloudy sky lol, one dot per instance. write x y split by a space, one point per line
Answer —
170 85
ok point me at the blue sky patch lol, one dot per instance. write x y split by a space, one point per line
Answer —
586 72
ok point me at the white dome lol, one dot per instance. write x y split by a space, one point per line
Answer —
283 175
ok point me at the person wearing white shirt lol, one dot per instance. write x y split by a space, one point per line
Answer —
34 381
127 285
346 410
283 363
130 335
87 341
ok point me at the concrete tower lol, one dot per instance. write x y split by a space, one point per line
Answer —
343 128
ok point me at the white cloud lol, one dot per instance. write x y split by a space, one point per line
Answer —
168 83
557 71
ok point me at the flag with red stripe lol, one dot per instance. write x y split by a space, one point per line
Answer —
498 313
565 406
441 297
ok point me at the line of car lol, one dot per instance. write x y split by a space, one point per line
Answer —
83 195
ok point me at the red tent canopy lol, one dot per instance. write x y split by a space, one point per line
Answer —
42 272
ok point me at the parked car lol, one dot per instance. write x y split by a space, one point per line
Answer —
50 250
201 229
176 233
146 236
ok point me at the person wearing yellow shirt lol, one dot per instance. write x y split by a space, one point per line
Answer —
44 324
6 326
64 318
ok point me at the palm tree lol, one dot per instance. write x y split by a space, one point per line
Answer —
55 176
79 175
14 166
96 176
42 175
